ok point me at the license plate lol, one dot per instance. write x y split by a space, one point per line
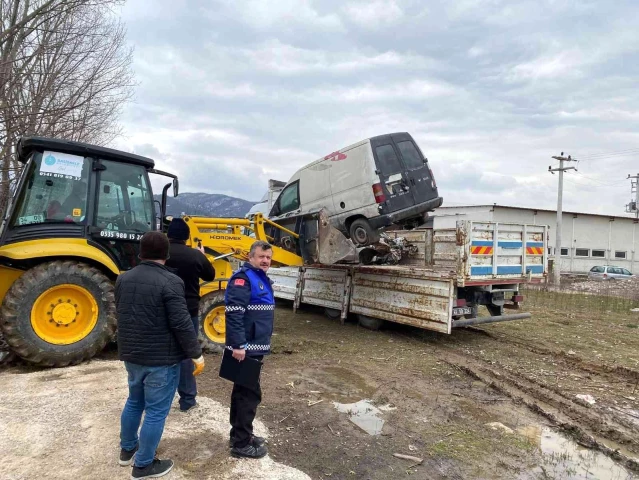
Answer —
462 311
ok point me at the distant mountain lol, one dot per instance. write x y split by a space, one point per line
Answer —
207 204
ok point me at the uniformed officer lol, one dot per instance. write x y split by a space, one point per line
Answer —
250 311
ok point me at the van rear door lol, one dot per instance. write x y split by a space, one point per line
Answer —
422 185
392 175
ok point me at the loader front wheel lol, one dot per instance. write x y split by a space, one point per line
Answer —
213 322
59 313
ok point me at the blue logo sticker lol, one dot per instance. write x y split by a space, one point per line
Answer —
50 160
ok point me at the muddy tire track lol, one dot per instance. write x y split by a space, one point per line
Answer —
605 431
616 371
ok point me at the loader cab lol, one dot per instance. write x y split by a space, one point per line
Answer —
74 190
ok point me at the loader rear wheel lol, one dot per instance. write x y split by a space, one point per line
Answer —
59 313
213 322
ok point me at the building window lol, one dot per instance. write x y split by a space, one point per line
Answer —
582 252
599 253
564 252
620 255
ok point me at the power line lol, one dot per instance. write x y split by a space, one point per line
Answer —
599 156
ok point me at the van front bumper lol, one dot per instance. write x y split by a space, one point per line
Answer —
397 216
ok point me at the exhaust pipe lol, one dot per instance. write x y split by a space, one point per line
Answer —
500 318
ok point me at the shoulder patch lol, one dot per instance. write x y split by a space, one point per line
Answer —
239 282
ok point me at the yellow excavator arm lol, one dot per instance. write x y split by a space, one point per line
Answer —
233 237
317 242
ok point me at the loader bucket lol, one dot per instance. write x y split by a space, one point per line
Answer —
322 243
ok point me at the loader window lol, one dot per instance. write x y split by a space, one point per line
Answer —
124 198
55 190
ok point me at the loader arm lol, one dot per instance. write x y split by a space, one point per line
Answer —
314 241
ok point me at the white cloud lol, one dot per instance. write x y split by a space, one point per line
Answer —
233 93
374 14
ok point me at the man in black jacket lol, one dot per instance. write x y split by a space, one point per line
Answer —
155 334
190 265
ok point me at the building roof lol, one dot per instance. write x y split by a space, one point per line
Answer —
495 205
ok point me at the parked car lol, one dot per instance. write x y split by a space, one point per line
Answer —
607 272
372 184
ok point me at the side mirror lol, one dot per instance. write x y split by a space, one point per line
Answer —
176 187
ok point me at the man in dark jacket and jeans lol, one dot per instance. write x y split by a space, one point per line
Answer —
250 312
155 334
190 265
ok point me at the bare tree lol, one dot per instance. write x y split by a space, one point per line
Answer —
65 71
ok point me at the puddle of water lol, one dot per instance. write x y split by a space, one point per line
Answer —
565 459
363 414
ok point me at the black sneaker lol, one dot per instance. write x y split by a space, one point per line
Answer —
158 468
249 451
126 456
257 441
188 409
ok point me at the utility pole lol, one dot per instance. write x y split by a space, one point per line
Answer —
557 270
633 206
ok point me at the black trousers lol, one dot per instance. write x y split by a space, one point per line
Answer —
244 403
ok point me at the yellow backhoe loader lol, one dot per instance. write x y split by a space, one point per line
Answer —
74 222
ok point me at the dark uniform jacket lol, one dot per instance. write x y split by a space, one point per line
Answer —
250 311
154 325
190 265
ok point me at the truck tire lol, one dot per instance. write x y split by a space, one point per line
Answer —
332 313
59 313
369 323
213 322
362 234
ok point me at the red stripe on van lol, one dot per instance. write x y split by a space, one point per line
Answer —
336 156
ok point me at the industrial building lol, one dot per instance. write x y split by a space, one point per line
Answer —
588 239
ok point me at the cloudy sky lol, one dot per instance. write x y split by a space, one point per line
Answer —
232 92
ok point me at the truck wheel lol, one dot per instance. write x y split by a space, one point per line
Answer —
213 322
332 313
59 313
369 323
495 310
362 233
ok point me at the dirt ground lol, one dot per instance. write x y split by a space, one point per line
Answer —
497 402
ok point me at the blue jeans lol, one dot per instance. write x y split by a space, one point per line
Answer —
187 387
151 390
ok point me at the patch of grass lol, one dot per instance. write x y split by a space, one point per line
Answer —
632 325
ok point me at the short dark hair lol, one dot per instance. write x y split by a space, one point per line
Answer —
154 246
261 244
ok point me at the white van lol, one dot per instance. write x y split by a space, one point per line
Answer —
367 186
265 205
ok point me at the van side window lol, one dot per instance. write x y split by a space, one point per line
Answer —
411 156
388 161
289 199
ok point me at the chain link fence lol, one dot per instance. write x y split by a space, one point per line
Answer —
577 293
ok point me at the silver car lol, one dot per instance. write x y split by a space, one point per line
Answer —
607 272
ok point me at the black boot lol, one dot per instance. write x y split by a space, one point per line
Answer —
255 440
251 450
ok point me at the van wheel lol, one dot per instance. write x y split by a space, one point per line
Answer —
362 233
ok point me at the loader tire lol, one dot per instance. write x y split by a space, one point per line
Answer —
212 334
59 313
369 323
